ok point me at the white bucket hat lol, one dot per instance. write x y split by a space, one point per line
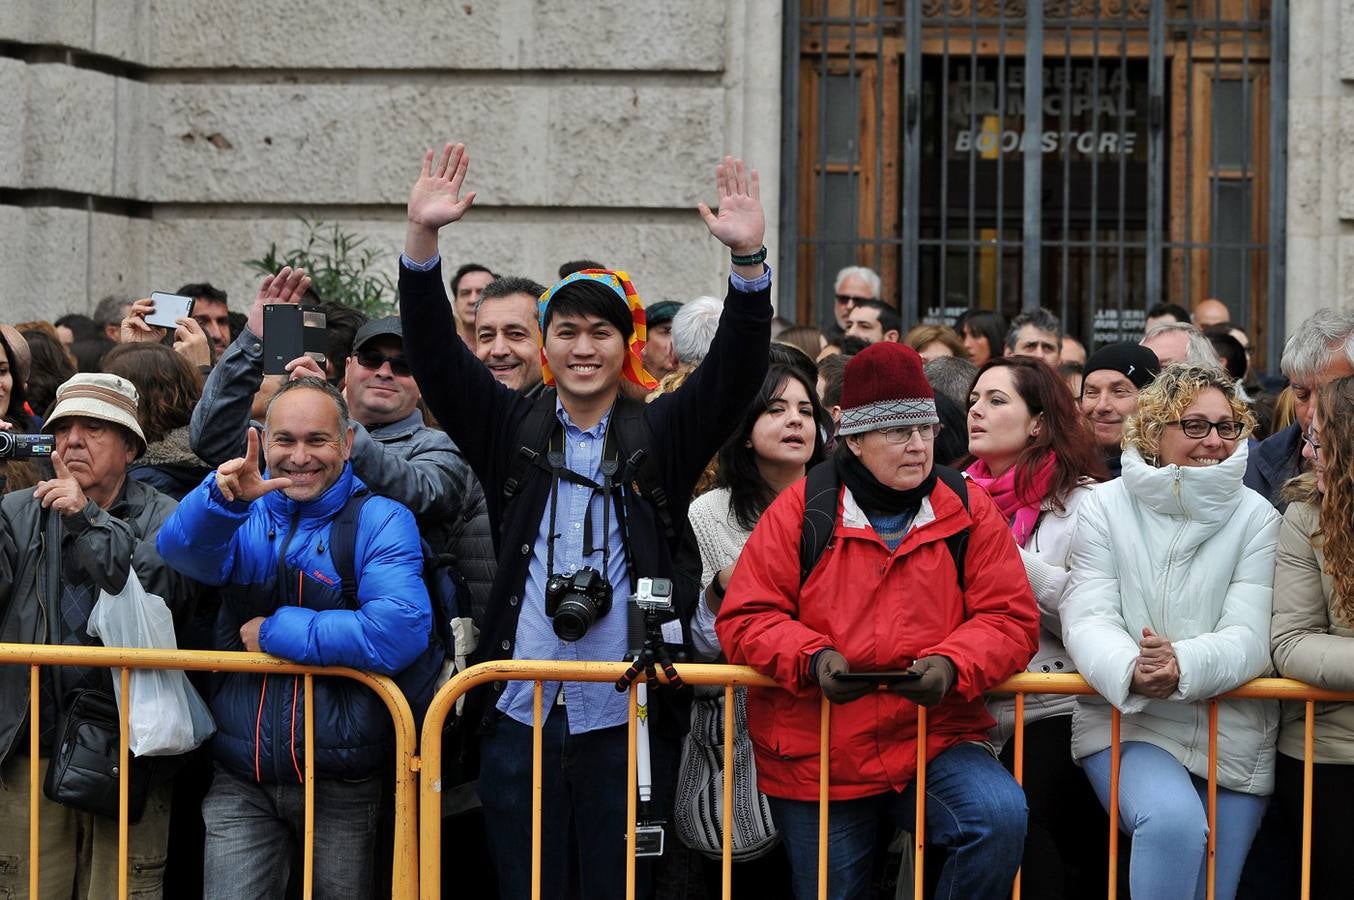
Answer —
95 395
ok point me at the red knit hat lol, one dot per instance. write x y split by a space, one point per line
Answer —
883 387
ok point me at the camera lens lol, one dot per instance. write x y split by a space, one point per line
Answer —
574 617
6 445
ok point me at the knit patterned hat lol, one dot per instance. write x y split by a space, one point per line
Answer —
884 387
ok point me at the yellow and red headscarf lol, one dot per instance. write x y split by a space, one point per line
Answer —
633 367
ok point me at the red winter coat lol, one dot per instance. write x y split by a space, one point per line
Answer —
881 610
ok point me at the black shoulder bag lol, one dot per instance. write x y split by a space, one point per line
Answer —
82 772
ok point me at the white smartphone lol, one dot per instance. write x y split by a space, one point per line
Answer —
168 308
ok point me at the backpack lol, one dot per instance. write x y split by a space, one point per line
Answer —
820 517
453 636
629 432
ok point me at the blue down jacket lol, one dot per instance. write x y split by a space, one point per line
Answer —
271 558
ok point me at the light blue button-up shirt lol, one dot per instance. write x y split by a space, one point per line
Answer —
590 705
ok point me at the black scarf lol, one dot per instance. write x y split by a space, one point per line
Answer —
873 496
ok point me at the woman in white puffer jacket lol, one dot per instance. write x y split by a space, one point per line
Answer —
1168 605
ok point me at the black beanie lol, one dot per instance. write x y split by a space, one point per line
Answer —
1134 361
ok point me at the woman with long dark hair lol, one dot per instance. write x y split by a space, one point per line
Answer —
984 334
779 439
14 418
1037 458
1312 636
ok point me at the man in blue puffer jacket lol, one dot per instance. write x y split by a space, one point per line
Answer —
264 541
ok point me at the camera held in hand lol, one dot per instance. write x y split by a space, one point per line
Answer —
25 446
575 601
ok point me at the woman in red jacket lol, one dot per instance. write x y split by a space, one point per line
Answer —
885 595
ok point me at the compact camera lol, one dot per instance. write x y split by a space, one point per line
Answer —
25 446
574 602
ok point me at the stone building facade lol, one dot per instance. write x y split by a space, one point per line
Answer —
146 144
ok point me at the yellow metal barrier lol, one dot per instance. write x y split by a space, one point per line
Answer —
404 873
733 676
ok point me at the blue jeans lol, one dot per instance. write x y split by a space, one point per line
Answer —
254 831
1165 808
974 810
583 804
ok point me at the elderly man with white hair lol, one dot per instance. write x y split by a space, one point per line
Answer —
854 284
1180 342
1319 351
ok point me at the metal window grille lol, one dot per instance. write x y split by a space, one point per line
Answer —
1142 161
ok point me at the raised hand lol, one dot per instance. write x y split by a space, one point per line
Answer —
239 478
287 286
740 224
436 197
134 328
62 493
191 342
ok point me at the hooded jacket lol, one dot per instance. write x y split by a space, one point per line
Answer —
1189 553
881 610
270 558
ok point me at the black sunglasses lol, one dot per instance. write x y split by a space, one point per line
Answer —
373 359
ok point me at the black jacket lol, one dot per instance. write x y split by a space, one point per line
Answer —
483 417
1270 465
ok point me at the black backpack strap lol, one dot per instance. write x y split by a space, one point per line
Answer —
820 516
631 434
343 545
531 442
957 543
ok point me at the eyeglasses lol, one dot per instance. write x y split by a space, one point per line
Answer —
903 433
1199 428
851 298
1309 438
374 359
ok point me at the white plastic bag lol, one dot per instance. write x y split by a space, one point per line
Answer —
168 717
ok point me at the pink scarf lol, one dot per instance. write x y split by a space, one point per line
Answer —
1022 511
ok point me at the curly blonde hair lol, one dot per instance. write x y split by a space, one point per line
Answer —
1334 405
1169 395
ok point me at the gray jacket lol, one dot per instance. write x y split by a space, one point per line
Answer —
406 461
103 545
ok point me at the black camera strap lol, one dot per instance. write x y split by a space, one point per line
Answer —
559 471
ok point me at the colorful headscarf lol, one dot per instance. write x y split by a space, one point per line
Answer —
633 367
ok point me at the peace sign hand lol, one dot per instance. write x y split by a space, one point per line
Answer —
436 197
239 478
740 224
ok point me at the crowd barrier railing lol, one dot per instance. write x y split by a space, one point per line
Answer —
430 764
404 872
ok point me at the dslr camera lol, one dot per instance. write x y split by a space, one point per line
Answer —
574 602
25 446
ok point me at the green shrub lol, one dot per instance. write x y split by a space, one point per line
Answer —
341 267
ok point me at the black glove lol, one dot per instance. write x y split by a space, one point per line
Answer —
828 664
937 677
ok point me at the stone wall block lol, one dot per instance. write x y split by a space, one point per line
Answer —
66 23
117 249
1338 144
433 34
44 264
315 34
531 145
14 113
120 28
72 118
618 35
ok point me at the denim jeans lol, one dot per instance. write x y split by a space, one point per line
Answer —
975 812
255 834
1165 808
584 801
